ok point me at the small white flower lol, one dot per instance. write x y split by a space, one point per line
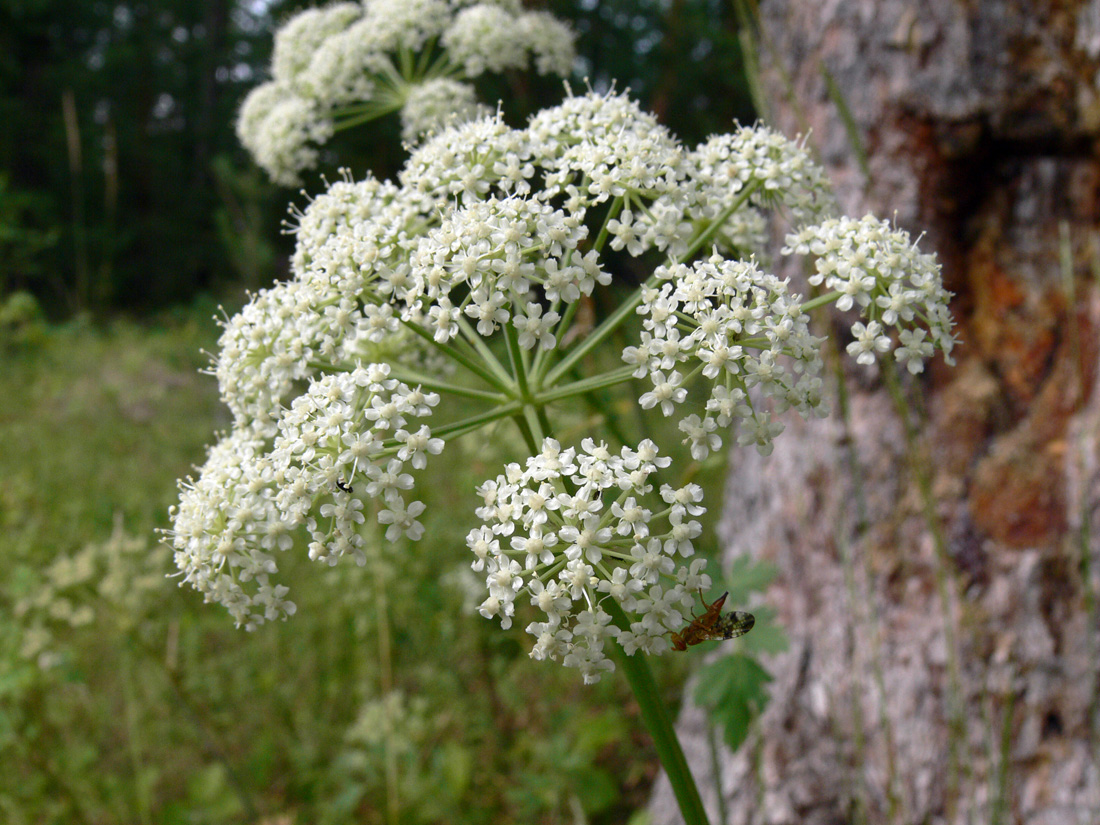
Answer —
535 328
701 435
666 391
869 340
914 350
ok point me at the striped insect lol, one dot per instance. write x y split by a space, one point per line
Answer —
713 625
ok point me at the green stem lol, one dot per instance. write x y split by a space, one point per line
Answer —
474 422
474 339
515 356
716 224
414 378
624 311
537 424
586 385
612 211
405 57
489 376
658 722
366 115
820 301
542 356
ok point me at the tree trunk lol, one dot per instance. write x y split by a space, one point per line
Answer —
939 588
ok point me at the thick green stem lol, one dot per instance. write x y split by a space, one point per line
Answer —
658 722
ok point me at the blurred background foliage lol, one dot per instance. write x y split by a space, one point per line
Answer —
127 213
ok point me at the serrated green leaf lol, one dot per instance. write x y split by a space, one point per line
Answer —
747 575
767 636
733 690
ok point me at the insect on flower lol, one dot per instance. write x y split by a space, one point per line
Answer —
712 625
343 485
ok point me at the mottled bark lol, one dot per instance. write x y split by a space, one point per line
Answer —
940 596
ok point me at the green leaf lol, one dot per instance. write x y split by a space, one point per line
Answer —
598 731
746 576
596 790
766 635
733 689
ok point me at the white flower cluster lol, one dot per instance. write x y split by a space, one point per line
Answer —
785 176
726 164
488 230
356 61
507 255
467 163
741 329
436 102
349 433
349 240
572 529
352 429
282 132
226 527
487 37
596 148
881 273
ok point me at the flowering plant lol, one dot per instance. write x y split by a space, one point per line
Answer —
478 259
351 62
465 279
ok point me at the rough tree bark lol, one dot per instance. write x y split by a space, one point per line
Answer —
940 596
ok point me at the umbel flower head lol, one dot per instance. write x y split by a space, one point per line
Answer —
571 529
463 279
739 329
347 63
